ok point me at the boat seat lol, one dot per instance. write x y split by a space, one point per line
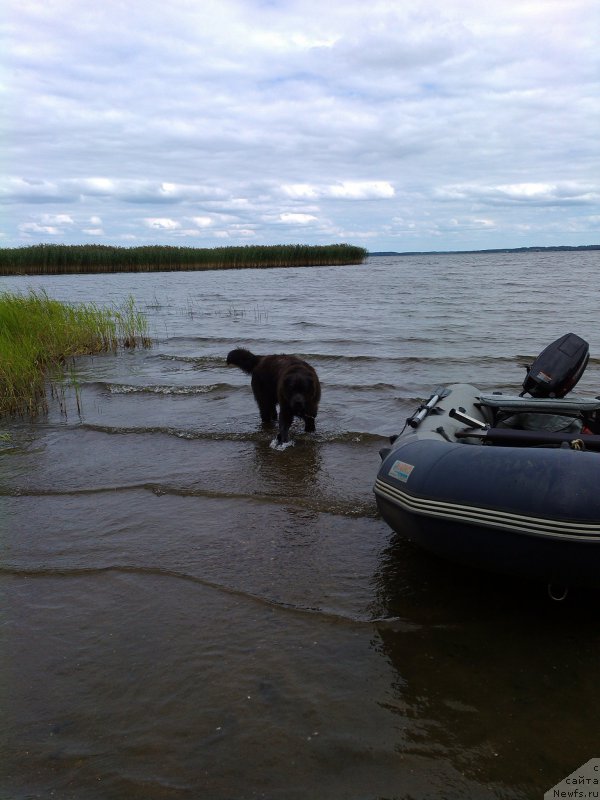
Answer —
567 406
566 414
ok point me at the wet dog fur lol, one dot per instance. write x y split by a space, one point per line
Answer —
284 381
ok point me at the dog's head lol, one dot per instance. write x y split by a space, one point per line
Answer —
299 392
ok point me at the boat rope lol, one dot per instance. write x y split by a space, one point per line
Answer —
395 436
443 433
577 444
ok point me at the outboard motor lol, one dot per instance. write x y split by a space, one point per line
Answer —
558 367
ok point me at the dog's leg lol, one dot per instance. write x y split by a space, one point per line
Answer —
285 420
266 402
268 413
309 424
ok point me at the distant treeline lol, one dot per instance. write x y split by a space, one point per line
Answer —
550 248
58 259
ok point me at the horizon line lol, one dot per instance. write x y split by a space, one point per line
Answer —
532 248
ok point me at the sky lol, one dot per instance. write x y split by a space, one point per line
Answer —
389 124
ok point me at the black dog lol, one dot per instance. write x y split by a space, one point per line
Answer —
282 380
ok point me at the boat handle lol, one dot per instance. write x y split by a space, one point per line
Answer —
461 415
423 410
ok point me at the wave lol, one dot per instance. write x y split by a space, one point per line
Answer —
214 360
369 358
344 507
125 388
335 437
337 507
392 364
348 389
303 323
326 613
199 339
360 387
442 360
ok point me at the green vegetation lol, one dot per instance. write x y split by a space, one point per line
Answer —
38 335
52 259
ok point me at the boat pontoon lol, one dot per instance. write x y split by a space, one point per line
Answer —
504 482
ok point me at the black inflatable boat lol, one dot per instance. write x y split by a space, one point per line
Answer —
509 483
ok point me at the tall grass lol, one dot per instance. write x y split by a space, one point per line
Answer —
38 335
53 259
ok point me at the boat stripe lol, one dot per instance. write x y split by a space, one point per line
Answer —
537 526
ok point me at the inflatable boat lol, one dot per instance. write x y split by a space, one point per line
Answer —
509 483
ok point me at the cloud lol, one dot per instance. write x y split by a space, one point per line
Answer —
27 190
300 219
472 223
123 190
162 223
57 219
565 193
47 224
202 222
35 228
345 190
223 120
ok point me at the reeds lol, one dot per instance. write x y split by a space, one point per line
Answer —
53 259
38 335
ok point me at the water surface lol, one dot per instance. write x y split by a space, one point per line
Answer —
190 613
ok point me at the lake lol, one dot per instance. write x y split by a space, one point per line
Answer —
188 612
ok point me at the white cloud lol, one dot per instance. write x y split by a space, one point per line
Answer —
35 227
47 224
162 223
300 219
301 191
93 186
346 190
57 219
362 190
118 189
471 223
202 222
563 193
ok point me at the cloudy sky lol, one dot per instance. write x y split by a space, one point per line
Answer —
391 124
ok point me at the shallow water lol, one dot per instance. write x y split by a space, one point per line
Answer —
190 613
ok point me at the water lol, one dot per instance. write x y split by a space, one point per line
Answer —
189 613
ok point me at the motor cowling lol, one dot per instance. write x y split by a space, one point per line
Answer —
558 367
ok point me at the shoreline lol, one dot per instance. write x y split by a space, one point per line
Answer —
548 249
55 259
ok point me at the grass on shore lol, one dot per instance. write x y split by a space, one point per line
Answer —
38 335
55 259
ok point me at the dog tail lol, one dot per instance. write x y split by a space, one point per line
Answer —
244 359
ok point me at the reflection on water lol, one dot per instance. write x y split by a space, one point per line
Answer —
291 472
492 664
188 612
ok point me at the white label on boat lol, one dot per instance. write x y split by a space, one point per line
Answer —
401 471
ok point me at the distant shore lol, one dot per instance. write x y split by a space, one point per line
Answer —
552 249
55 259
